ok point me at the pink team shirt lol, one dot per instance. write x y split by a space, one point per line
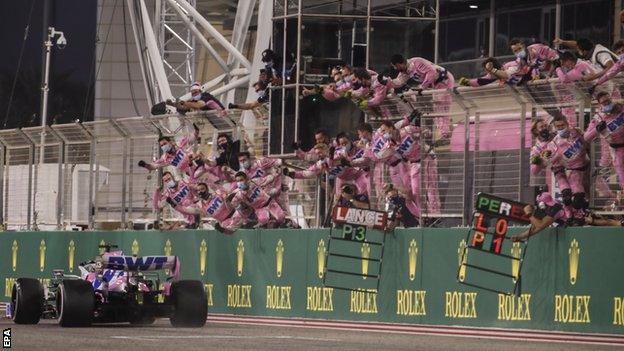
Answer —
613 133
571 151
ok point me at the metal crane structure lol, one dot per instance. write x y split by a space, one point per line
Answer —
168 34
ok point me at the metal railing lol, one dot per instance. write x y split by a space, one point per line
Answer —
490 143
88 175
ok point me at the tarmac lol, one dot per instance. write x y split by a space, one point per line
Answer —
47 335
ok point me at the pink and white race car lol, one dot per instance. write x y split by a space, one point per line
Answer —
112 288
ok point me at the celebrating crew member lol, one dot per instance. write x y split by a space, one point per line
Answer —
251 193
431 76
262 90
174 154
570 150
547 212
214 206
175 193
609 123
199 101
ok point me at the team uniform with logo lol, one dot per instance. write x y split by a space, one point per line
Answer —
182 195
179 156
571 153
613 133
431 76
215 207
264 206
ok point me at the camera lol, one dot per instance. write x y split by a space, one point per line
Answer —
61 42
347 189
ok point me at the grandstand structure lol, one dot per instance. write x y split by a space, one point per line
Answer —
86 174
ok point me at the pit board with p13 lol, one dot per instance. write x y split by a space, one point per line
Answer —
488 259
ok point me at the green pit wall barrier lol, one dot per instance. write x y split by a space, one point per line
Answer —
572 280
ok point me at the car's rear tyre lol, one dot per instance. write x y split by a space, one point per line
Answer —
75 303
190 306
26 301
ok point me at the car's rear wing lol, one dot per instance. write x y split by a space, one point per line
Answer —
144 263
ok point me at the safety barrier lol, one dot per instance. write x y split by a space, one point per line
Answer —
571 279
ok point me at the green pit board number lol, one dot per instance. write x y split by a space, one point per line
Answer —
353 232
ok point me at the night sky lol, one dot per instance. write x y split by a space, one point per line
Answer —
71 68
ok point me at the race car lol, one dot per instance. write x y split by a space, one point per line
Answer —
112 288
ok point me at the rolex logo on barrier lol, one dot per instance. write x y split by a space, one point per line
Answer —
168 248
240 257
279 258
573 255
413 255
71 251
102 249
516 250
42 252
135 248
203 250
320 257
462 256
365 255
14 249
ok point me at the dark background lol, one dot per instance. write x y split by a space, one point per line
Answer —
72 69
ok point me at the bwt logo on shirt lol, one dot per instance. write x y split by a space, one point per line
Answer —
181 195
378 145
336 170
574 148
259 173
214 205
178 158
254 195
616 123
406 145
358 154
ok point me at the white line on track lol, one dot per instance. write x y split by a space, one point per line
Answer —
166 337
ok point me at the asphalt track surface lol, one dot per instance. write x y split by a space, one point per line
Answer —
228 337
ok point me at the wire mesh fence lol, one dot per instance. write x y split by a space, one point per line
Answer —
473 140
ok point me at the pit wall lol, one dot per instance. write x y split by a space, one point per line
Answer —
572 280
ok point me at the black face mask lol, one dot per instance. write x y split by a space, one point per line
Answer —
356 85
203 194
224 146
544 134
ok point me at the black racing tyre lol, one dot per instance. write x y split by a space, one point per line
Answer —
190 306
26 301
75 303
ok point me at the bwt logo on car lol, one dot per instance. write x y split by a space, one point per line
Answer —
214 205
136 263
178 158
